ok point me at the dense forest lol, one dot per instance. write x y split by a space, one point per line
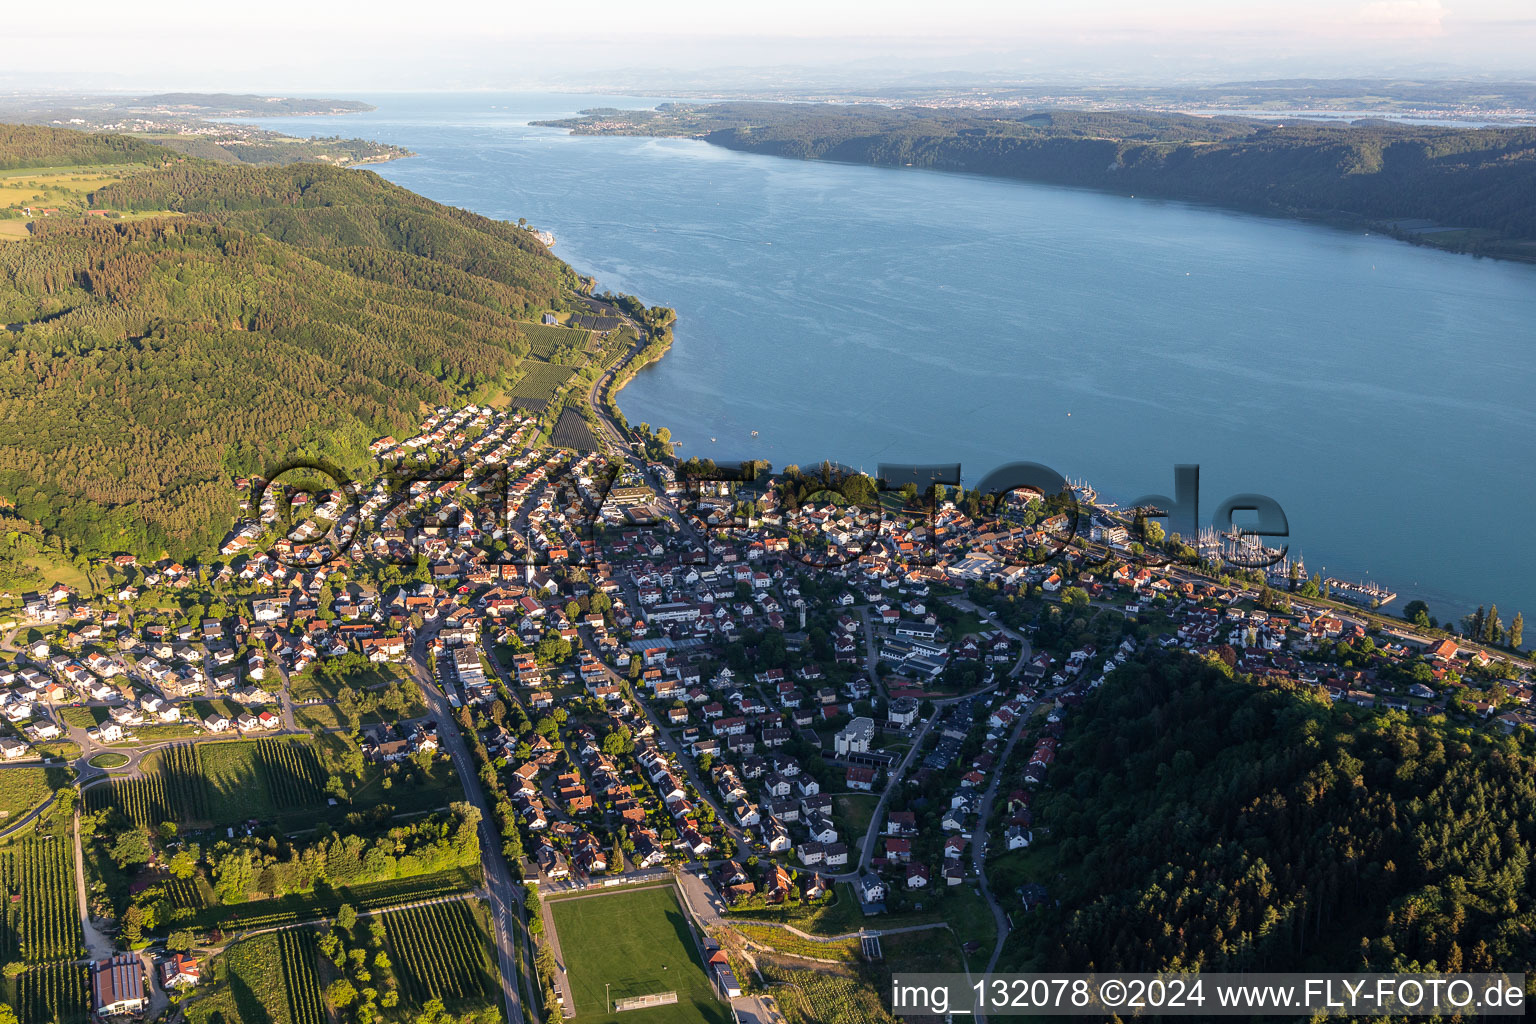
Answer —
23 146
1202 821
276 312
1374 172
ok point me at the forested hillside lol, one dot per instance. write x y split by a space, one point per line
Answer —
1379 172
24 145
1199 821
278 311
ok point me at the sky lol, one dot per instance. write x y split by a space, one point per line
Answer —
457 44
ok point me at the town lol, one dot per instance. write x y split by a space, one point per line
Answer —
779 698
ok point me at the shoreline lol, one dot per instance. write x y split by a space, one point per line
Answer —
1421 238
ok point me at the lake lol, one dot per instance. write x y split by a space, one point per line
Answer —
1381 393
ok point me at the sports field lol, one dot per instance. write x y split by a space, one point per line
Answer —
637 943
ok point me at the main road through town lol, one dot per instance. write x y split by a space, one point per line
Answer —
506 894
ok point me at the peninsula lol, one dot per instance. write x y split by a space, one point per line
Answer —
1461 189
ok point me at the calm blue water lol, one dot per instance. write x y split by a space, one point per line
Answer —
1383 394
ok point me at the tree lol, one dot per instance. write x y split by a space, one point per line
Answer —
1474 624
342 993
1074 597
1492 628
1417 612
181 941
133 925
552 648
7 1015
132 847
183 865
346 917
1517 631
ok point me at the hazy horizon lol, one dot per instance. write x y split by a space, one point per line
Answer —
693 45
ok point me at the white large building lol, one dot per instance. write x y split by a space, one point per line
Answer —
855 737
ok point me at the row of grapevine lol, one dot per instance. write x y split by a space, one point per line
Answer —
292 772
298 955
54 994
821 997
439 951
174 790
42 920
370 896
188 893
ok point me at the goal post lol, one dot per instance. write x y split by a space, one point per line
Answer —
641 1002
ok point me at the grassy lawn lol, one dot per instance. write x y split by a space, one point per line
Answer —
83 718
634 943
931 952
836 918
1038 863
312 685
323 715
166 731
960 906
854 812
228 708
35 568
22 789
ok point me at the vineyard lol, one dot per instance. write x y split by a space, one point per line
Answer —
821 997
189 893
22 789
58 993
41 920
292 773
545 341
250 986
440 951
296 946
300 907
788 943
175 789
573 431
537 387
217 783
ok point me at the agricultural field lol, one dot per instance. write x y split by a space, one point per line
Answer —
268 979
573 431
43 925
787 942
538 385
22 789
635 943
64 190
190 893
218 784
546 342
823 997
54 993
442 952
299 907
